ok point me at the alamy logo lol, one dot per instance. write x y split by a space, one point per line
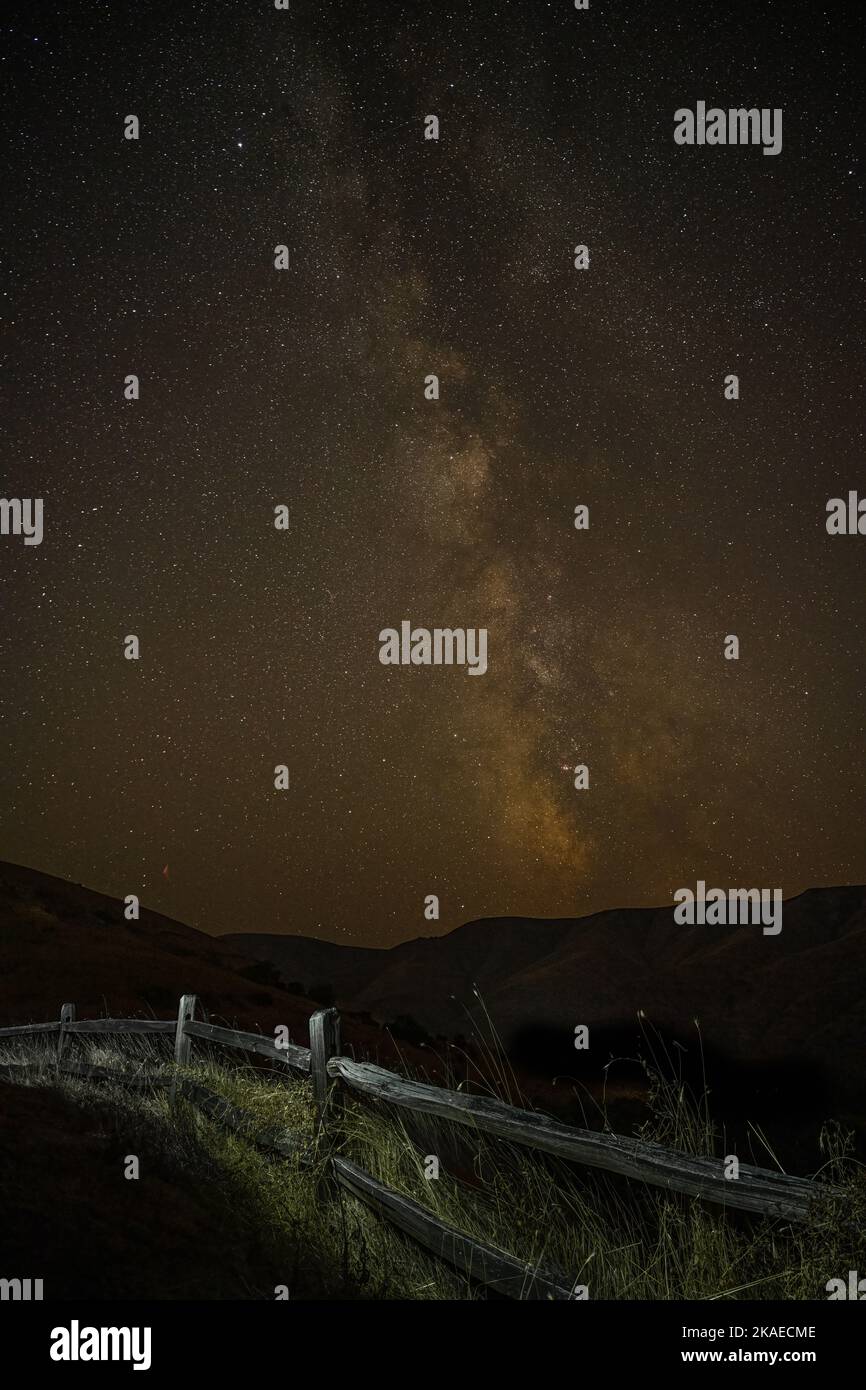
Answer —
846 518
76 1343
20 1290
736 126
22 516
855 1288
443 646
736 907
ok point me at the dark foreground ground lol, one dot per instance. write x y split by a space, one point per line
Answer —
70 1217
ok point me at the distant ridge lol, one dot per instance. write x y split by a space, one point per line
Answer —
795 997
782 1018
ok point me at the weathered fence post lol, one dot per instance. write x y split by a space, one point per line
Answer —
324 1044
67 1015
182 1043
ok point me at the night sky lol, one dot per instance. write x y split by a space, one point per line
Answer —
305 387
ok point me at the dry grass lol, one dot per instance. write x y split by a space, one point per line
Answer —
622 1240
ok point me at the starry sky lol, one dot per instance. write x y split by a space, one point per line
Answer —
305 387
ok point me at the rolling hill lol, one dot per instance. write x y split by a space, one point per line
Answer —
62 942
781 1017
791 1006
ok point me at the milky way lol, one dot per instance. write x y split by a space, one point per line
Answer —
305 388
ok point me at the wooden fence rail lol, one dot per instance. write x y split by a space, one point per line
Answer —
471 1256
118 1025
293 1056
757 1190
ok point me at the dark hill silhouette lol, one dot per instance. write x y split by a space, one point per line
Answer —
788 1007
60 941
781 1018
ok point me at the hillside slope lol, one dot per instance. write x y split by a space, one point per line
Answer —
61 942
793 1001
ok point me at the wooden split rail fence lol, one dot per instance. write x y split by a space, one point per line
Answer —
757 1190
